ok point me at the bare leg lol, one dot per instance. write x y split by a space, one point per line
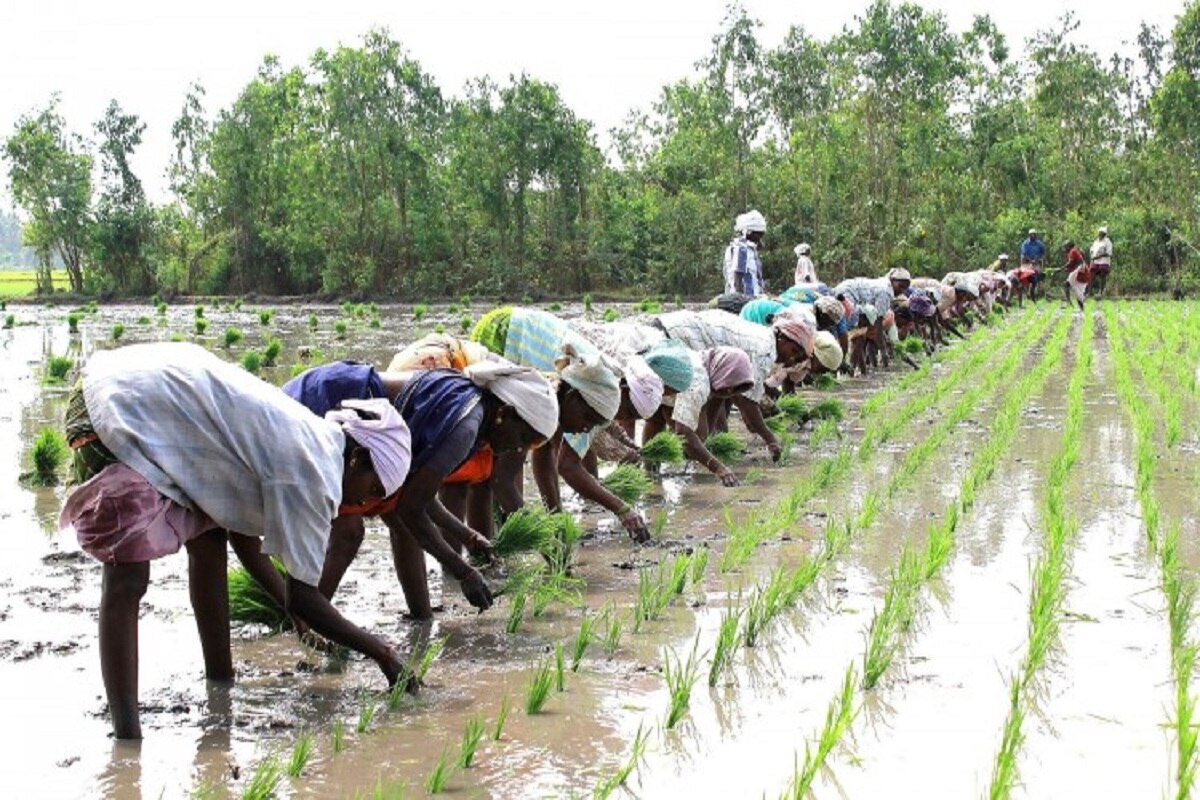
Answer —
346 536
454 498
123 588
208 585
409 560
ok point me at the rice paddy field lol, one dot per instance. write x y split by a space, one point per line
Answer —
979 581
22 283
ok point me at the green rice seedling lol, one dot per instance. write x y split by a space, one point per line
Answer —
435 781
680 568
176 337
439 328
793 407
658 525
838 719
501 717
663 448
297 370
419 311
823 432
678 301
57 368
528 529
628 482
559 549
375 323
650 306
49 452
465 323
423 656
828 409
271 352
560 664
73 323
301 753
779 423
338 736
367 708
912 345
339 328
726 446
232 336
264 317
587 304
556 307
143 320
313 322
347 308
199 310
610 315
583 639
252 362
10 320
612 635
727 641
554 586
526 300
250 603
264 783
360 311
699 563
452 309
539 688
118 331
516 611
680 677
637 752
161 308
825 382
472 735
201 325
465 301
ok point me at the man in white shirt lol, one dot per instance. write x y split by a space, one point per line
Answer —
1101 261
806 271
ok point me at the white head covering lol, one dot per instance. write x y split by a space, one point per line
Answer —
1104 229
827 350
524 388
1032 231
645 387
899 274
588 375
752 220
384 435
1003 257
802 249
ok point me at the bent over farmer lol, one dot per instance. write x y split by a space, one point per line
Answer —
176 448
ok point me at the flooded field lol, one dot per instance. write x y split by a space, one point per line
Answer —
981 585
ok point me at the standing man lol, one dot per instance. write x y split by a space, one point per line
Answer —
1033 253
1101 261
743 268
806 272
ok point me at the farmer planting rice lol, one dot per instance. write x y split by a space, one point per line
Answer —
174 448
458 420
589 396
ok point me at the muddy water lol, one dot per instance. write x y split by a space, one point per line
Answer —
738 739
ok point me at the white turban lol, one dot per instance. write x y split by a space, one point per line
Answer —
827 350
383 434
645 387
899 274
1003 257
588 375
524 388
750 221
801 249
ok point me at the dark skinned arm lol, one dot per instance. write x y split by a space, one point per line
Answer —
459 533
571 468
545 472
305 602
412 513
693 448
752 416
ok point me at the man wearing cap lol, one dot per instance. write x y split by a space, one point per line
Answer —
175 448
743 268
1033 253
806 272
1101 261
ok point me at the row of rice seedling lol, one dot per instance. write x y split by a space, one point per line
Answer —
1178 586
916 567
1048 586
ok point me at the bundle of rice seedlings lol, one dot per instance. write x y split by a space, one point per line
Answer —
249 601
628 482
530 529
779 423
793 406
271 353
559 549
650 306
663 448
727 447
912 344
610 315
828 409
825 381
49 452
57 368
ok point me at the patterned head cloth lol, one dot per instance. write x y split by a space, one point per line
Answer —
588 375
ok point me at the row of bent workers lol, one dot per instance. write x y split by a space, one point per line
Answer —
175 448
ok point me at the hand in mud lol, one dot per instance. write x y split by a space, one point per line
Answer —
476 590
728 478
776 450
632 521
398 672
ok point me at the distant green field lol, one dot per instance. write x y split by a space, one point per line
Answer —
19 283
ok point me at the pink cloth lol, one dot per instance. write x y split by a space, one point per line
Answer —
119 518
797 330
727 367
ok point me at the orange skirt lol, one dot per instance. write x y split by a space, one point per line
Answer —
476 469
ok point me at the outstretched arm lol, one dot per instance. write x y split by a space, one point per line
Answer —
571 468
752 416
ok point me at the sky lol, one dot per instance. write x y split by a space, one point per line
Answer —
606 56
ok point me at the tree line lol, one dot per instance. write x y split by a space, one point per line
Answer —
897 142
